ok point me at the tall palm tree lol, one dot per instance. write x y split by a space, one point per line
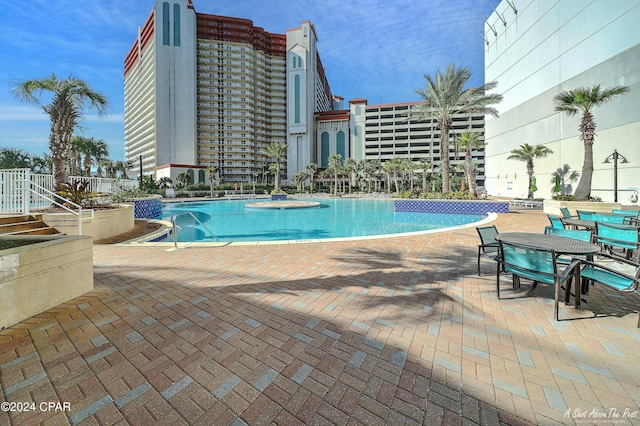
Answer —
528 153
335 164
212 172
351 168
583 100
392 168
278 152
42 164
470 141
14 158
311 169
69 97
425 165
446 96
76 151
96 152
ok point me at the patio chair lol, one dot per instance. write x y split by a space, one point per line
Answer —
620 274
613 236
609 218
566 213
569 233
584 215
539 266
488 244
556 221
632 217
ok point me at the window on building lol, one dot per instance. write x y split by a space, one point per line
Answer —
165 24
176 24
324 149
296 95
341 146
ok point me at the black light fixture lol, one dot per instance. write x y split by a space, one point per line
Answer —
615 156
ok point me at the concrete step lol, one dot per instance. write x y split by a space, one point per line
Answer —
25 225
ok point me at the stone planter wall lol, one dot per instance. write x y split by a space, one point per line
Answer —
40 276
104 224
451 206
553 206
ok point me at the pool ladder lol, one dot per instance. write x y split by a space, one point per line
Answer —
175 234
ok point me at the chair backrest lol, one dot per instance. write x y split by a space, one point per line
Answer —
608 218
535 264
488 236
632 213
616 235
584 215
569 233
556 221
565 212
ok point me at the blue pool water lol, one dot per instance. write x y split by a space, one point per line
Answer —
334 218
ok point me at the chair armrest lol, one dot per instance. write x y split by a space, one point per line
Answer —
635 277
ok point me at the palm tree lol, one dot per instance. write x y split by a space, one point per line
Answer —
65 110
278 152
212 171
351 168
392 168
470 141
424 165
299 179
335 164
41 164
446 96
584 100
77 150
528 153
14 158
96 151
311 169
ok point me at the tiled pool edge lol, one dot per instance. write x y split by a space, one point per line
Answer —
490 217
451 206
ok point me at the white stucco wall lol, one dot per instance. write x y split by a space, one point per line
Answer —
547 48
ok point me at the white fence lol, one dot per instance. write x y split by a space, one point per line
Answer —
20 185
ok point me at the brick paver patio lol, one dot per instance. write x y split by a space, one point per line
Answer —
387 331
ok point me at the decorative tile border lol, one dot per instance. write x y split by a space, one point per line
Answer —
147 208
451 206
278 197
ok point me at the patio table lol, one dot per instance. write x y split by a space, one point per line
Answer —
561 245
581 223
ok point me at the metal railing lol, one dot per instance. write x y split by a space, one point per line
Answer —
175 234
52 198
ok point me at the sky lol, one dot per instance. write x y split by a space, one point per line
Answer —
379 50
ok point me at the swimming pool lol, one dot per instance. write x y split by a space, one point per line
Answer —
230 221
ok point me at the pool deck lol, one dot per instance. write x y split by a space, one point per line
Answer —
380 331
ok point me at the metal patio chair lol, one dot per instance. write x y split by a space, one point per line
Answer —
488 244
539 266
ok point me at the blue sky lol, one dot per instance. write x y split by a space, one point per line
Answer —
373 49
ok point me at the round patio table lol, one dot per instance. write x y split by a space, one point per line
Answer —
561 245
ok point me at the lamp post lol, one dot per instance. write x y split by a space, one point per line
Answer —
615 156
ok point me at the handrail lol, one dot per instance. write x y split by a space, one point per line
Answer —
52 199
175 234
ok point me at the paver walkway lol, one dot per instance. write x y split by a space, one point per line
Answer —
387 331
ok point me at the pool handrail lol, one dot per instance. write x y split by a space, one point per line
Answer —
175 234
